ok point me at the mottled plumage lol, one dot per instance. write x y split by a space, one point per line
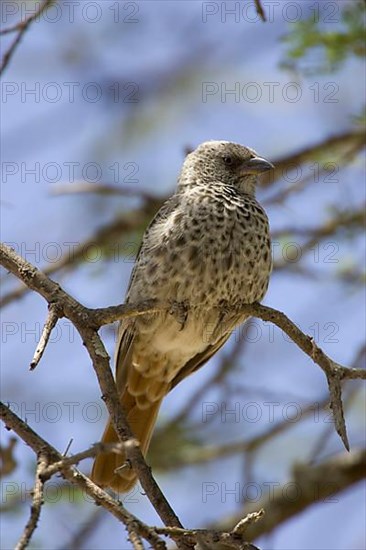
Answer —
207 249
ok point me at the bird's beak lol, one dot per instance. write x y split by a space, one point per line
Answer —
256 165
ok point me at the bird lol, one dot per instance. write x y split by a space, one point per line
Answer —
206 252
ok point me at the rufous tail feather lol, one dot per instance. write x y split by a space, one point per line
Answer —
142 422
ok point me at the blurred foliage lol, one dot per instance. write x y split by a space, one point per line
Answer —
330 41
57 491
360 120
172 444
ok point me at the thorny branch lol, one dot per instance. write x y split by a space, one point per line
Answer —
313 483
214 539
334 372
69 472
360 359
87 328
51 462
87 322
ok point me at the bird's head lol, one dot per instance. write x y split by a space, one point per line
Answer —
223 162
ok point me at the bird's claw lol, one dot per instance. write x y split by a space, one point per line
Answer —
180 312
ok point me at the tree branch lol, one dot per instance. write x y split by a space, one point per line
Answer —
37 503
211 453
311 483
353 139
260 10
88 321
49 325
51 462
216 540
22 28
70 473
82 319
134 221
88 453
334 372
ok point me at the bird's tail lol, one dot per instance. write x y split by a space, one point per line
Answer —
142 422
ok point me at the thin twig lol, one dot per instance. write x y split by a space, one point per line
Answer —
116 448
17 27
70 473
22 26
320 444
334 372
36 506
329 429
49 325
260 10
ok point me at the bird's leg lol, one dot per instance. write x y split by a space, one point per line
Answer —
180 312
224 308
225 313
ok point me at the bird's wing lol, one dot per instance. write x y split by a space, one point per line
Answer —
124 349
126 331
166 209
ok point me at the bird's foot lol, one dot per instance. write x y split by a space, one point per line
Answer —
180 311
225 307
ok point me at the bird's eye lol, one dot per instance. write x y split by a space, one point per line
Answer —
228 161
